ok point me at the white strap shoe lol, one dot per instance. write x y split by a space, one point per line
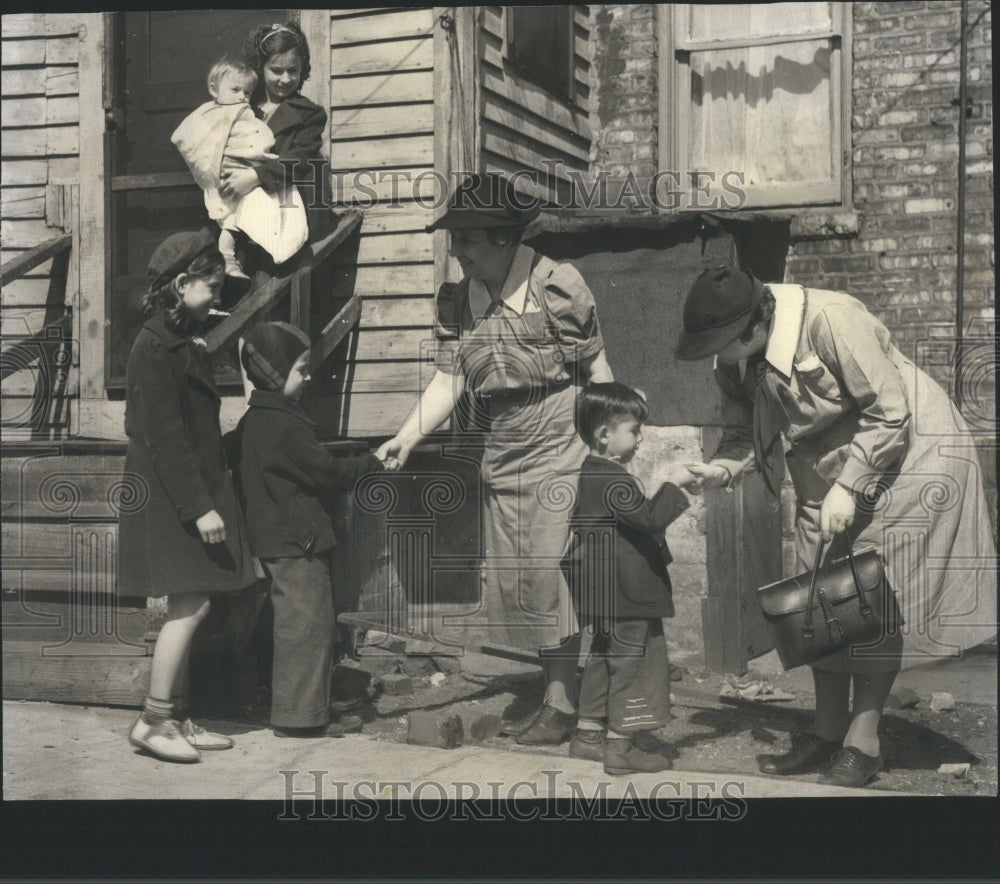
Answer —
164 740
202 739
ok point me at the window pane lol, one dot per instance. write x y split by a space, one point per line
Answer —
766 111
540 48
742 20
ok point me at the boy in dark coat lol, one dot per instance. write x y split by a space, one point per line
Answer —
284 475
618 575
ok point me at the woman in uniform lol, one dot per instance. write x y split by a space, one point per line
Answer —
877 451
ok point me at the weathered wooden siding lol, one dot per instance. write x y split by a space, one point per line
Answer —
381 141
521 124
40 121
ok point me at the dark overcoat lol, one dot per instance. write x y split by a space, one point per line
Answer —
287 478
176 470
617 560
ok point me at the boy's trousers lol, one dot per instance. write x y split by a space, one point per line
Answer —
627 676
304 639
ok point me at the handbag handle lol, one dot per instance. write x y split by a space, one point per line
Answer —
866 608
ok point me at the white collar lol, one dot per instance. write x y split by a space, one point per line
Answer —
514 292
786 327
789 311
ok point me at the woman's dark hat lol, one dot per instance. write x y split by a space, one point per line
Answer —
488 200
717 310
269 352
175 254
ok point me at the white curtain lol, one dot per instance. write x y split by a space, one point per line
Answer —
763 110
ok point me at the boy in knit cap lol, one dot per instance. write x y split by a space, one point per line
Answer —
284 475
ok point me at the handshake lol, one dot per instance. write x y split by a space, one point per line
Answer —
697 477
392 454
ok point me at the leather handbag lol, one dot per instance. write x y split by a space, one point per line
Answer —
840 603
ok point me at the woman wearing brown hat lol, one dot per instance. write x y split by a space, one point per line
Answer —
516 339
877 452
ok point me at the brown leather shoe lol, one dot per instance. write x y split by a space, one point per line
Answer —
624 757
550 728
587 744
520 725
852 768
808 754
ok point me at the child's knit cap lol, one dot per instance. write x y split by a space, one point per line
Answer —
270 351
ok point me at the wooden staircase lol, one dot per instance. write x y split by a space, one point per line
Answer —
67 634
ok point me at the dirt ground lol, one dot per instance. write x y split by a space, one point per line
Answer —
707 732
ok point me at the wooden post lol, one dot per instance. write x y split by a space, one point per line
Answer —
301 303
743 552
456 112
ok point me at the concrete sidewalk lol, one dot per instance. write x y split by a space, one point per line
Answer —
53 751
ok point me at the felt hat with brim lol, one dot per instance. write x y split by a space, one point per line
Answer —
176 253
486 201
717 310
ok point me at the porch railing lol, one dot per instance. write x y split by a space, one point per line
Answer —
298 284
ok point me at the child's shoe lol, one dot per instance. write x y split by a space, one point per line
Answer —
587 744
163 739
202 739
233 268
227 246
622 756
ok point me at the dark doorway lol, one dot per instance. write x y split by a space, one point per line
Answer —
156 68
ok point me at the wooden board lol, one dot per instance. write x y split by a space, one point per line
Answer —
639 280
394 280
377 122
22 202
376 621
385 26
384 153
379 58
387 88
109 681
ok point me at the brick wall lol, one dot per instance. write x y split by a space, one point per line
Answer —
901 261
894 248
623 76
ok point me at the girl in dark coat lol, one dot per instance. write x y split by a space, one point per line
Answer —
279 54
183 537
618 576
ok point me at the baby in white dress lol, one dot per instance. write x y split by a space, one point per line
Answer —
224 134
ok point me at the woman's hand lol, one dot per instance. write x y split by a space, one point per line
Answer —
211 527
394 454
837 512
706 475
238 183
681 476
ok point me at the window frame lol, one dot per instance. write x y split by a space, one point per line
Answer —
674 82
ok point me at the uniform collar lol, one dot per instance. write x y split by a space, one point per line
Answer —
514 292
279 402
786 326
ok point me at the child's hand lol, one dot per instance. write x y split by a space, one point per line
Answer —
238 183
681 476
211 527
706 475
